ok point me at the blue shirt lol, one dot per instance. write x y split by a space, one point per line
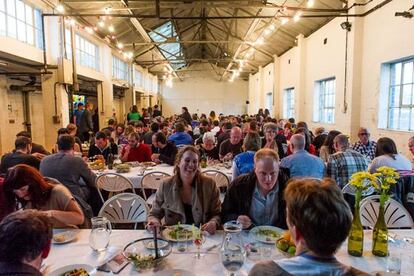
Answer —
303 164
181 138
264 209
78 114
243 163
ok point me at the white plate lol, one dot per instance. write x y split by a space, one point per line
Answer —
382 273
166 231
263 238
173 272
64 235
61 270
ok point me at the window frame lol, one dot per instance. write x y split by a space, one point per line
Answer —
289 106
321 106
117 70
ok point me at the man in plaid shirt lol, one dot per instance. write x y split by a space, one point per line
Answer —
364 146
344 162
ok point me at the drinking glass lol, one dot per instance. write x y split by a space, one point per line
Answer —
198 240
232 258
265 251
394 263
100 233
182 239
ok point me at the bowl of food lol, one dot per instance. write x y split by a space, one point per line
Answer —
286 244
73 270
97 165
141 253
123 168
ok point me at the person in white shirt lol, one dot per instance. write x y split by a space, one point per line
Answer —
387 155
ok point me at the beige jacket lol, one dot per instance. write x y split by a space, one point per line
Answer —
205 202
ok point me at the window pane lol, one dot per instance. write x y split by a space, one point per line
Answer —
21 31
38 19
2 6
394 96
396 73
20 10
11 27
29 15
29 33
408 73
407 94
405 118
2 24
11 7
412 120
393 118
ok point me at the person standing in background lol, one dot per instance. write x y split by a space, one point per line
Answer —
156 112
85 123
133 115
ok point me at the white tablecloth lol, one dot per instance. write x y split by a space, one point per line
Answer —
135 175
79 252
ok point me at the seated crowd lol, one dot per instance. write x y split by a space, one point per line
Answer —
280 172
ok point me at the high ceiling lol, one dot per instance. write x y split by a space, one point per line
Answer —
172 35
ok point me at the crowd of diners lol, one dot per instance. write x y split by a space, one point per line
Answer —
283 174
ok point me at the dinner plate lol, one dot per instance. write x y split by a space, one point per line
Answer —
174 272
67 268
64 235
382 273
166 232
151 244
256 235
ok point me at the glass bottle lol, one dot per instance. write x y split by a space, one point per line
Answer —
356 234
110 161
203 160
380 232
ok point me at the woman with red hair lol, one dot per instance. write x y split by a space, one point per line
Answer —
25 185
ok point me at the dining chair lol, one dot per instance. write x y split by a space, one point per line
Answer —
125 208
222 181
152 181
396 216
113 183
349 189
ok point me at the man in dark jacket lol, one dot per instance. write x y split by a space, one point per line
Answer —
102 146
21 155
163 150
257 198
85 123
25 239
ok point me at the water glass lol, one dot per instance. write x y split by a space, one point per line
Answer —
394 263
100 233
265 251
182 239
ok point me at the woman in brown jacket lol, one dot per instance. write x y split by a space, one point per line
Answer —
188 196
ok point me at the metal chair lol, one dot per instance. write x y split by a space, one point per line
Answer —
396 216
113 183
222 181
152 181
349 189
125 208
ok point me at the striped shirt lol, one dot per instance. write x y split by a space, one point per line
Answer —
367 150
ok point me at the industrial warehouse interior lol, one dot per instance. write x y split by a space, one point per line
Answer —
207 137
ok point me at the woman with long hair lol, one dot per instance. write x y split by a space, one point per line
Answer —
188 196
25 185
386 154
270 141
327 148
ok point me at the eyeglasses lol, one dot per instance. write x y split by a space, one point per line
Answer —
364 134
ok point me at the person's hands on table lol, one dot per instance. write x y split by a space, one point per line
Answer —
153 224
155 157
210 227
245 221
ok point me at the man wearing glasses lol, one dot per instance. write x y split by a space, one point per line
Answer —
364 146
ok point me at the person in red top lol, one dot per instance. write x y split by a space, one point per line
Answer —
135 150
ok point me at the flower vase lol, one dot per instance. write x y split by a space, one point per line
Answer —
356 234
380 232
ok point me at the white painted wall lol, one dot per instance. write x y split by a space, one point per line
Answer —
202 92
378 38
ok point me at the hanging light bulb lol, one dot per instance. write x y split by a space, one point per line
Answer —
284 20
101 23
120 45
260 41
60 8
297 16
89 30
71 21
310 3
111 29
107 10
267 31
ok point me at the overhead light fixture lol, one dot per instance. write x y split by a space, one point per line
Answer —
60 8
71 21
346 26
107 10
310 3
260 41
284 20
297 16
101 23
111 29
89 30
120 45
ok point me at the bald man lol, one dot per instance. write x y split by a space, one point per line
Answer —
232 146
345 162
365 146
301 163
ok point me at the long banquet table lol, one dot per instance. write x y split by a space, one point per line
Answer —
79 252
135 175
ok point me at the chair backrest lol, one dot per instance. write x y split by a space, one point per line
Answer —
152 181
113 182
221 179
396 216
125 208
349 189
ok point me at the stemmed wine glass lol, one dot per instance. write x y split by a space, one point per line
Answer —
198 240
